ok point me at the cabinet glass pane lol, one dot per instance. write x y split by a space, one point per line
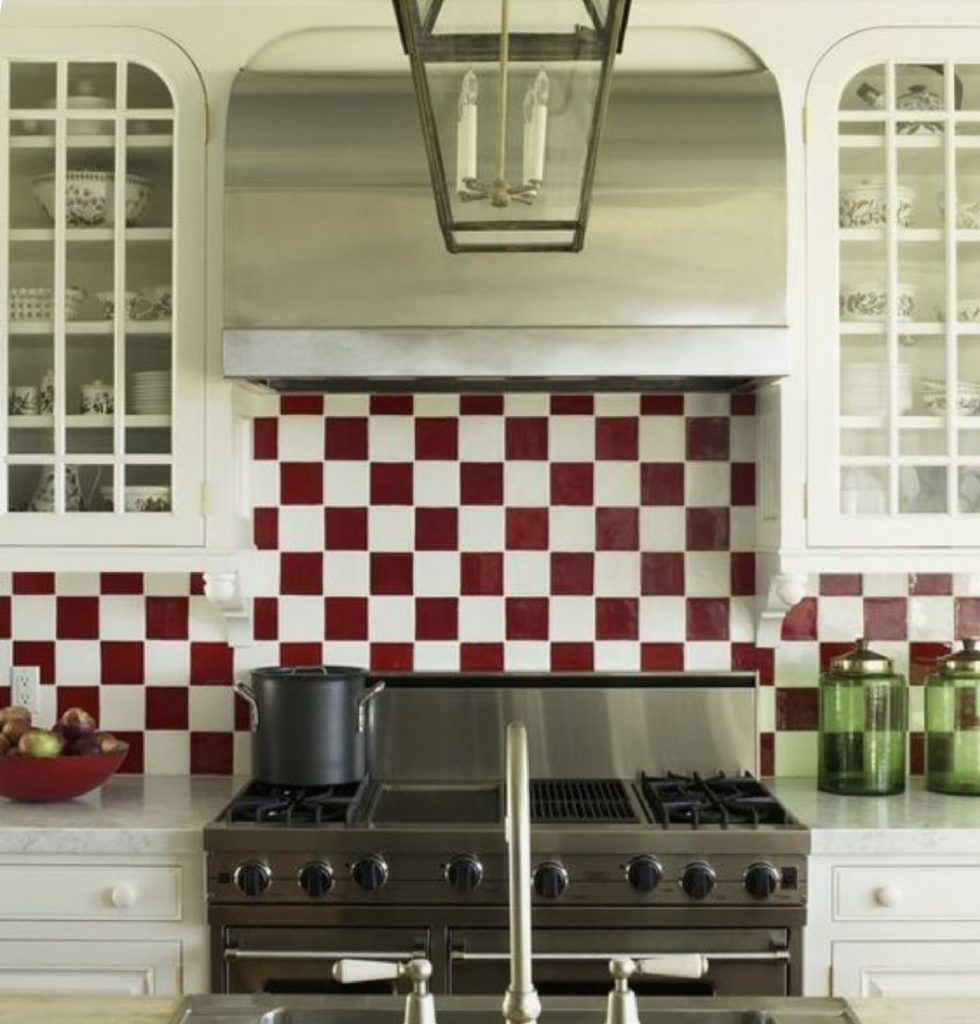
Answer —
865 93
968 489
864 490
88 488
146 91
32 85
919 92
148 489
922 489
30 488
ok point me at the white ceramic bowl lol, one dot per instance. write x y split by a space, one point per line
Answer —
868 301
865 205
38 303
89 197
967 212
140 499
968 310
933 395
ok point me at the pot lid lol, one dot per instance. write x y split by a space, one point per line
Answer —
962 663
861 661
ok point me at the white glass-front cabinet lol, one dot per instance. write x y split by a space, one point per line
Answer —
893 229
102 348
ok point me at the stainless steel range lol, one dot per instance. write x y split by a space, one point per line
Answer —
649 835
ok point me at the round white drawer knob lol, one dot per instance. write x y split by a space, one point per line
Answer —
122 895
888 896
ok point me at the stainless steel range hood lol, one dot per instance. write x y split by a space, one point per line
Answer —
337 279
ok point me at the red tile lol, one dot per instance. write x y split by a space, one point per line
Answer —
133 763
707 618
743 574
345 438
801 621
525 437
167 618
967 614
436 618
481 405
923 656
886 618
36 652
436 529
121 583
743 404
662 483
5 618
77 618
481 483
346 618
392 405
617 529
301 572
306 653
572 657
526 618
392 657
707 529
572 405
617 618
211 753
617 438
437 437
265 528
572 572
841 584
345 529
197 584
796 708
743 483
166 707
481 657
917 753
391 483
930 584
571 483
86 697
242 715
265 438
707 437
301 405
767 753
833 649
746 657
121 662
265 612
481 572
526 529
212 664
33 582
662 573
301 483
662 405
661 657
392 572
5 699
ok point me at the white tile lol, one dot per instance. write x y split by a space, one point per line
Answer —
211 709
167 663
930 618
571 439
263 572
481 619
742 528
206 622
436 484
346 405
49 704
242 753
300 528
897 651
966 584
33 617
617 404
6 582
481 528
347 652
663 619
391 619
347 573
707 656
6 658
616 656
706 403
617 484
707 574
79 662
527 484
265 483
741 439
391 528
122 708
662 439
917 710
879 584
301 438
840 618
346 484
481 439
571 618
797 663
527 656
617 573
256 655
436 405
391 438
436 574
517 404
122 617
168 584
707 484
300 618
796 753
571 528
766 708
527 573
436 656
663 528
741 620
166 752
77 584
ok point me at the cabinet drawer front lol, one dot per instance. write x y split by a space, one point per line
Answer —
910 892
97 893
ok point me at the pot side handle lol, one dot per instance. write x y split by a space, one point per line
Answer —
245 691
362 705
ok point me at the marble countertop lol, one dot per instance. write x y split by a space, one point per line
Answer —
129 814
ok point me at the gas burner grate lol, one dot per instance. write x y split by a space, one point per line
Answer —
563 801
721 800
263 804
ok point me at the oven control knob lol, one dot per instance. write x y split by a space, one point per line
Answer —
253 878
550 879
644 873
464 872
761 880
698 880
371 872
316 879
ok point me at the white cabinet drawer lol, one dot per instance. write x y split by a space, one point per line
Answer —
103 892
911 892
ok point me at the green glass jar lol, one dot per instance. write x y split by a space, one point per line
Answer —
952 726
863 721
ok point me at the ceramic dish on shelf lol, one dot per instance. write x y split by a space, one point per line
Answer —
864 388
933 393
135 303
868 301
967 212
90 199
865 205
32 304
140 499
968 310
79 102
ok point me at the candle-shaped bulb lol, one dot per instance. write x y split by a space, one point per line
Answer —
466 131
535 128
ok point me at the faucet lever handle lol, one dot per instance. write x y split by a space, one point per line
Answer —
419 1005
349 972
674 965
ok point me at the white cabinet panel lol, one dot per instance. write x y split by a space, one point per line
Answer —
906 969
914 892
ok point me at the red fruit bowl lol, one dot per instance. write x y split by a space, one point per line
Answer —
35 779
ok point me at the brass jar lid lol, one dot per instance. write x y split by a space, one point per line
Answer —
862 661
962 663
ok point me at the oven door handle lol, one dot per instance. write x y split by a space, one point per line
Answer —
319 954
462 955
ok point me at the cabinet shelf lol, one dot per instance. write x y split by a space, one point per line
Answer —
90 422
34 328
908 422
107 141
907 327
94 234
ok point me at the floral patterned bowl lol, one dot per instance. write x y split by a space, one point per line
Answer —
89 197
38 303
869 302
866 205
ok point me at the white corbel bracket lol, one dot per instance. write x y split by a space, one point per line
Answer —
224 591
785 590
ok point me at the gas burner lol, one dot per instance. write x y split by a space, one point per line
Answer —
262 803
720 800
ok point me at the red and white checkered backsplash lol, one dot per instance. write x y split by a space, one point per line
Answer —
517 532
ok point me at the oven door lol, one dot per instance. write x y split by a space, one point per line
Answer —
751 961
300 960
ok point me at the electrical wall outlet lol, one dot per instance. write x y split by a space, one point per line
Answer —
25 687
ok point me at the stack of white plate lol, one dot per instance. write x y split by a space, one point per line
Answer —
864 391
149 393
